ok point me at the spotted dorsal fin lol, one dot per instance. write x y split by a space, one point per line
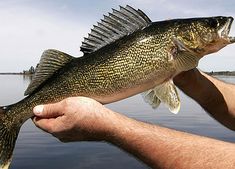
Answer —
51 61
114 26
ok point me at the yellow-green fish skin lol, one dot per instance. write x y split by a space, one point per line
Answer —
140 59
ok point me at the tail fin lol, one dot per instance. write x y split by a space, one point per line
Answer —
8 136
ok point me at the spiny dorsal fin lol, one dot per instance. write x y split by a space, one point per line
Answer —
51 61
118 24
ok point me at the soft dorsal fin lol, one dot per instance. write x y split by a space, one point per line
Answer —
51 61
114 26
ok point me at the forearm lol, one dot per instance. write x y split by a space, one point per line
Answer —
83 119
160 147
215 96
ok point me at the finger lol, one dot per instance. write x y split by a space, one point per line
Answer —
44 124
49 110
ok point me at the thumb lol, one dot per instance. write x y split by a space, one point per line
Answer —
48 111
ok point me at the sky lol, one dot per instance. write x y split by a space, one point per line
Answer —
29 27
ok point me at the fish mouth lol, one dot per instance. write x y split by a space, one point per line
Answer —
224 31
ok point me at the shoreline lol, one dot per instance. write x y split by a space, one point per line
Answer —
221 73
7 73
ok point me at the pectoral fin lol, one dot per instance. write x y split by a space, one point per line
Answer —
165 93
184 58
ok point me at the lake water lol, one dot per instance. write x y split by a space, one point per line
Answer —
36 149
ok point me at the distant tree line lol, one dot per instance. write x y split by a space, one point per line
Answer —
30 71
225 73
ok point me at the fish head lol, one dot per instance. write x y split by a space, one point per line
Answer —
206 35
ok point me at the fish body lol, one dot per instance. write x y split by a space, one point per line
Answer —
124 55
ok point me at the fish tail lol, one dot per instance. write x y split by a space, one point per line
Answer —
8 136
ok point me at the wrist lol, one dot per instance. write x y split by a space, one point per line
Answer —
187 79
117 125
122 129
193 83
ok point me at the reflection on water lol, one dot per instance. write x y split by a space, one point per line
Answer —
27 78
36 149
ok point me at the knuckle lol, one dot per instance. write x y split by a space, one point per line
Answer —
47 109
68 102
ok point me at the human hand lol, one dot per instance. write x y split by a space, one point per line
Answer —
187 78
74 119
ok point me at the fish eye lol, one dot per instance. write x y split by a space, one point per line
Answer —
213 23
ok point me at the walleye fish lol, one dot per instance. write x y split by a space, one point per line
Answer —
125 54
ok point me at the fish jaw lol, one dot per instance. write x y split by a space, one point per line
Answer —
223 39
224 31
232 39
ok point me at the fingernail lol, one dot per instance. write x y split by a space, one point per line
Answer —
38 110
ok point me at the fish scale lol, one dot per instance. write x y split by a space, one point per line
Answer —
124 54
